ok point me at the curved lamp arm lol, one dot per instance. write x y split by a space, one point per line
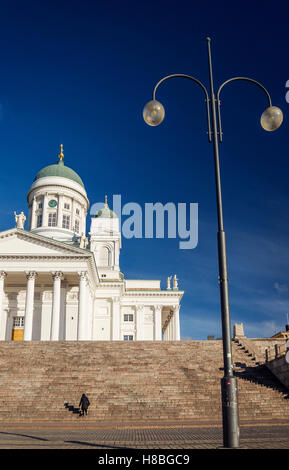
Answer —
199 83
232 80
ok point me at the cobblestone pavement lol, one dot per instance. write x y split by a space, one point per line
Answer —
251 437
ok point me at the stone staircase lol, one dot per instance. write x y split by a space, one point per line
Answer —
130 382
261 394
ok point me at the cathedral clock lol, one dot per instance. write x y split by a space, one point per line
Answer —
52 203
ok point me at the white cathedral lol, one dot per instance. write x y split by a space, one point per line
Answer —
56 283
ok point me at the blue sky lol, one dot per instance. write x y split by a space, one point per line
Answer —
79 73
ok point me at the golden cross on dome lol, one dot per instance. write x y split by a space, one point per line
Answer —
105 204
61 155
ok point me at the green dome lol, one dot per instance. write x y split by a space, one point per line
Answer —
59 170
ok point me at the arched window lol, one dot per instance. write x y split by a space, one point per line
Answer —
104 255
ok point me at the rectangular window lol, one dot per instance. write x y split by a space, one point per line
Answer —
39 220
128 338
52 219
77 211
66 221
76 226
66 206
18 322
40 205
128 317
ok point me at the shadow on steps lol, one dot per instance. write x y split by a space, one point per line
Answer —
72 409
259 374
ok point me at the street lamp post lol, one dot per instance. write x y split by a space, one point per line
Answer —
271 119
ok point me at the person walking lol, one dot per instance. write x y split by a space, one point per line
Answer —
84 403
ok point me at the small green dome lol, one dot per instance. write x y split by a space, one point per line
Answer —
59 169
105 213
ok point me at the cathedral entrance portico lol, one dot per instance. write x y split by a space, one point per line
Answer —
64 304
45 306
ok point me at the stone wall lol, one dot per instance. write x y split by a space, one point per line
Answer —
272 351
260 345
280 368
269 351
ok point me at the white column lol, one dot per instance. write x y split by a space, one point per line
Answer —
60 210
29 305
171 324
172 327
116 318
82 306
3 314
83 220
44 211
90 315
139 322
55 321
158 323
72 214
166 334
62 327
33 214
169 330
176 319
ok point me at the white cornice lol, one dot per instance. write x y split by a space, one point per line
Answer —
63 190
59 184
42 257
161 293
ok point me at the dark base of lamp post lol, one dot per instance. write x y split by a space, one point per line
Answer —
231 429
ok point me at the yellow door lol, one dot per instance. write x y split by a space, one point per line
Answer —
18 328
17 334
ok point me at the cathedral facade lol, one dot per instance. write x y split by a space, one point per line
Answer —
56 283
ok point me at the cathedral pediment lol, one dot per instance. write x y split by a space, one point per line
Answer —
20 242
